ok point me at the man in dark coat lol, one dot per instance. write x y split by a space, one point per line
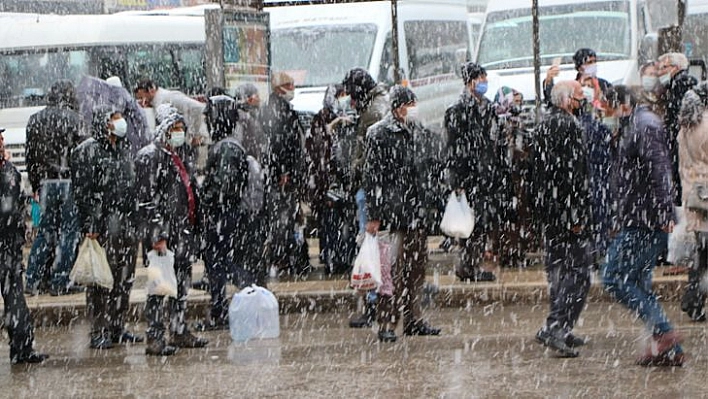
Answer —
403 164
474 166
169 207
563 205
228 225
104 188
18 320
286 169
52 134
674 77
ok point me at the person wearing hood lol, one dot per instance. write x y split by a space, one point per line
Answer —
169 209
12 234
233 239
52 134
103 177
250 131
403 167
472 130
285 174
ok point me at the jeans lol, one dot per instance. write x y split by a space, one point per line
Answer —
568 264
627 274
361 209
58 232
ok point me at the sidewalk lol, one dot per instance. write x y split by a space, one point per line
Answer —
320 294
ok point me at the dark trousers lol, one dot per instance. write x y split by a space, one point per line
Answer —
18 320
409 256
568 273
109 307
693 299
472 254
176 307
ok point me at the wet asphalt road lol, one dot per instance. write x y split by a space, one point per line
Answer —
484 352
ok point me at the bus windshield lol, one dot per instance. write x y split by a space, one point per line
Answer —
602 26
322 55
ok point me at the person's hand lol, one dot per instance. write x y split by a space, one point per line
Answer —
577 229
372 227
36 196
669 228
284 180
92 236
552 73
160 246
196 141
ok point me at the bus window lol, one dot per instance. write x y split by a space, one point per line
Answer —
191 71
154 63
433 45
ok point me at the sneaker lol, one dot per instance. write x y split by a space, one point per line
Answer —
420 328
126 337
31 357
188 340
361 321
575 341
101 342
671 358
158 347
387 336
556 339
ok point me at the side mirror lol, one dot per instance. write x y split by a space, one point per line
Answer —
648 49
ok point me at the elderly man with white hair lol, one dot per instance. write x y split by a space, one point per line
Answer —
562 206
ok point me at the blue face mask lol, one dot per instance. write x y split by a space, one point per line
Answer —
481 87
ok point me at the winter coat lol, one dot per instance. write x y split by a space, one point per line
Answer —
226 178
474 156
641 184
560 175
321 170
282 128
52 134
693 165
191 109
163 199
598 138
680 84
402 174
249 132
11 216
103 185
377 107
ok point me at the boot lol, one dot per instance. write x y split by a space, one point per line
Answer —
102 341
365 320
188 340
158 347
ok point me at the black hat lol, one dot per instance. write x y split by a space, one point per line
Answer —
2 129
471 71
358 82
581 56
401 96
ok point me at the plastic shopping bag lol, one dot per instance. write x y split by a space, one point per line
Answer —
682 244
161 278
366 274
458 220
91 267
386 287
253 313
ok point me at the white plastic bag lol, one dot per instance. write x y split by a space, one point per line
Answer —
458 220
161 278
253 313
366 274
91 267
682 244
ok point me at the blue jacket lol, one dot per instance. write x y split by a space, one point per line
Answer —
642 178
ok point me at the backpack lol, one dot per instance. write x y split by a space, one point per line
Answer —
253 195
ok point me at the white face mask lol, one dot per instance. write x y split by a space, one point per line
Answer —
177 138
649 82
412 114
120 127
665 79
589 94
288 95
590 70
344 102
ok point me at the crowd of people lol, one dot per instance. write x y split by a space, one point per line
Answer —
595 185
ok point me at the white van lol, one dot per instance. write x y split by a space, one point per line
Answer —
615 29
318 44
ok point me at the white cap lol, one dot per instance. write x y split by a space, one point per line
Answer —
114 81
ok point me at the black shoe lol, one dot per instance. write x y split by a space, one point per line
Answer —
31 291
574 341
202 285
126 337
101 342
556 340
361 321
32 357
74 289
484 275
188 340
387 336
420 328
158 347
211 325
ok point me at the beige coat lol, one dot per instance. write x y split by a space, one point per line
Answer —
693 166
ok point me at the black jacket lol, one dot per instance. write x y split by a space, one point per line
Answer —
681 83
226 178
103 184
52 134
561 177
11 217
282 128
402 174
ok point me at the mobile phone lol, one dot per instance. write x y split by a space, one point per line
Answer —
557 61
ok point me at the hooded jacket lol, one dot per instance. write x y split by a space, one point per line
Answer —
282 128
11 217
376 107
